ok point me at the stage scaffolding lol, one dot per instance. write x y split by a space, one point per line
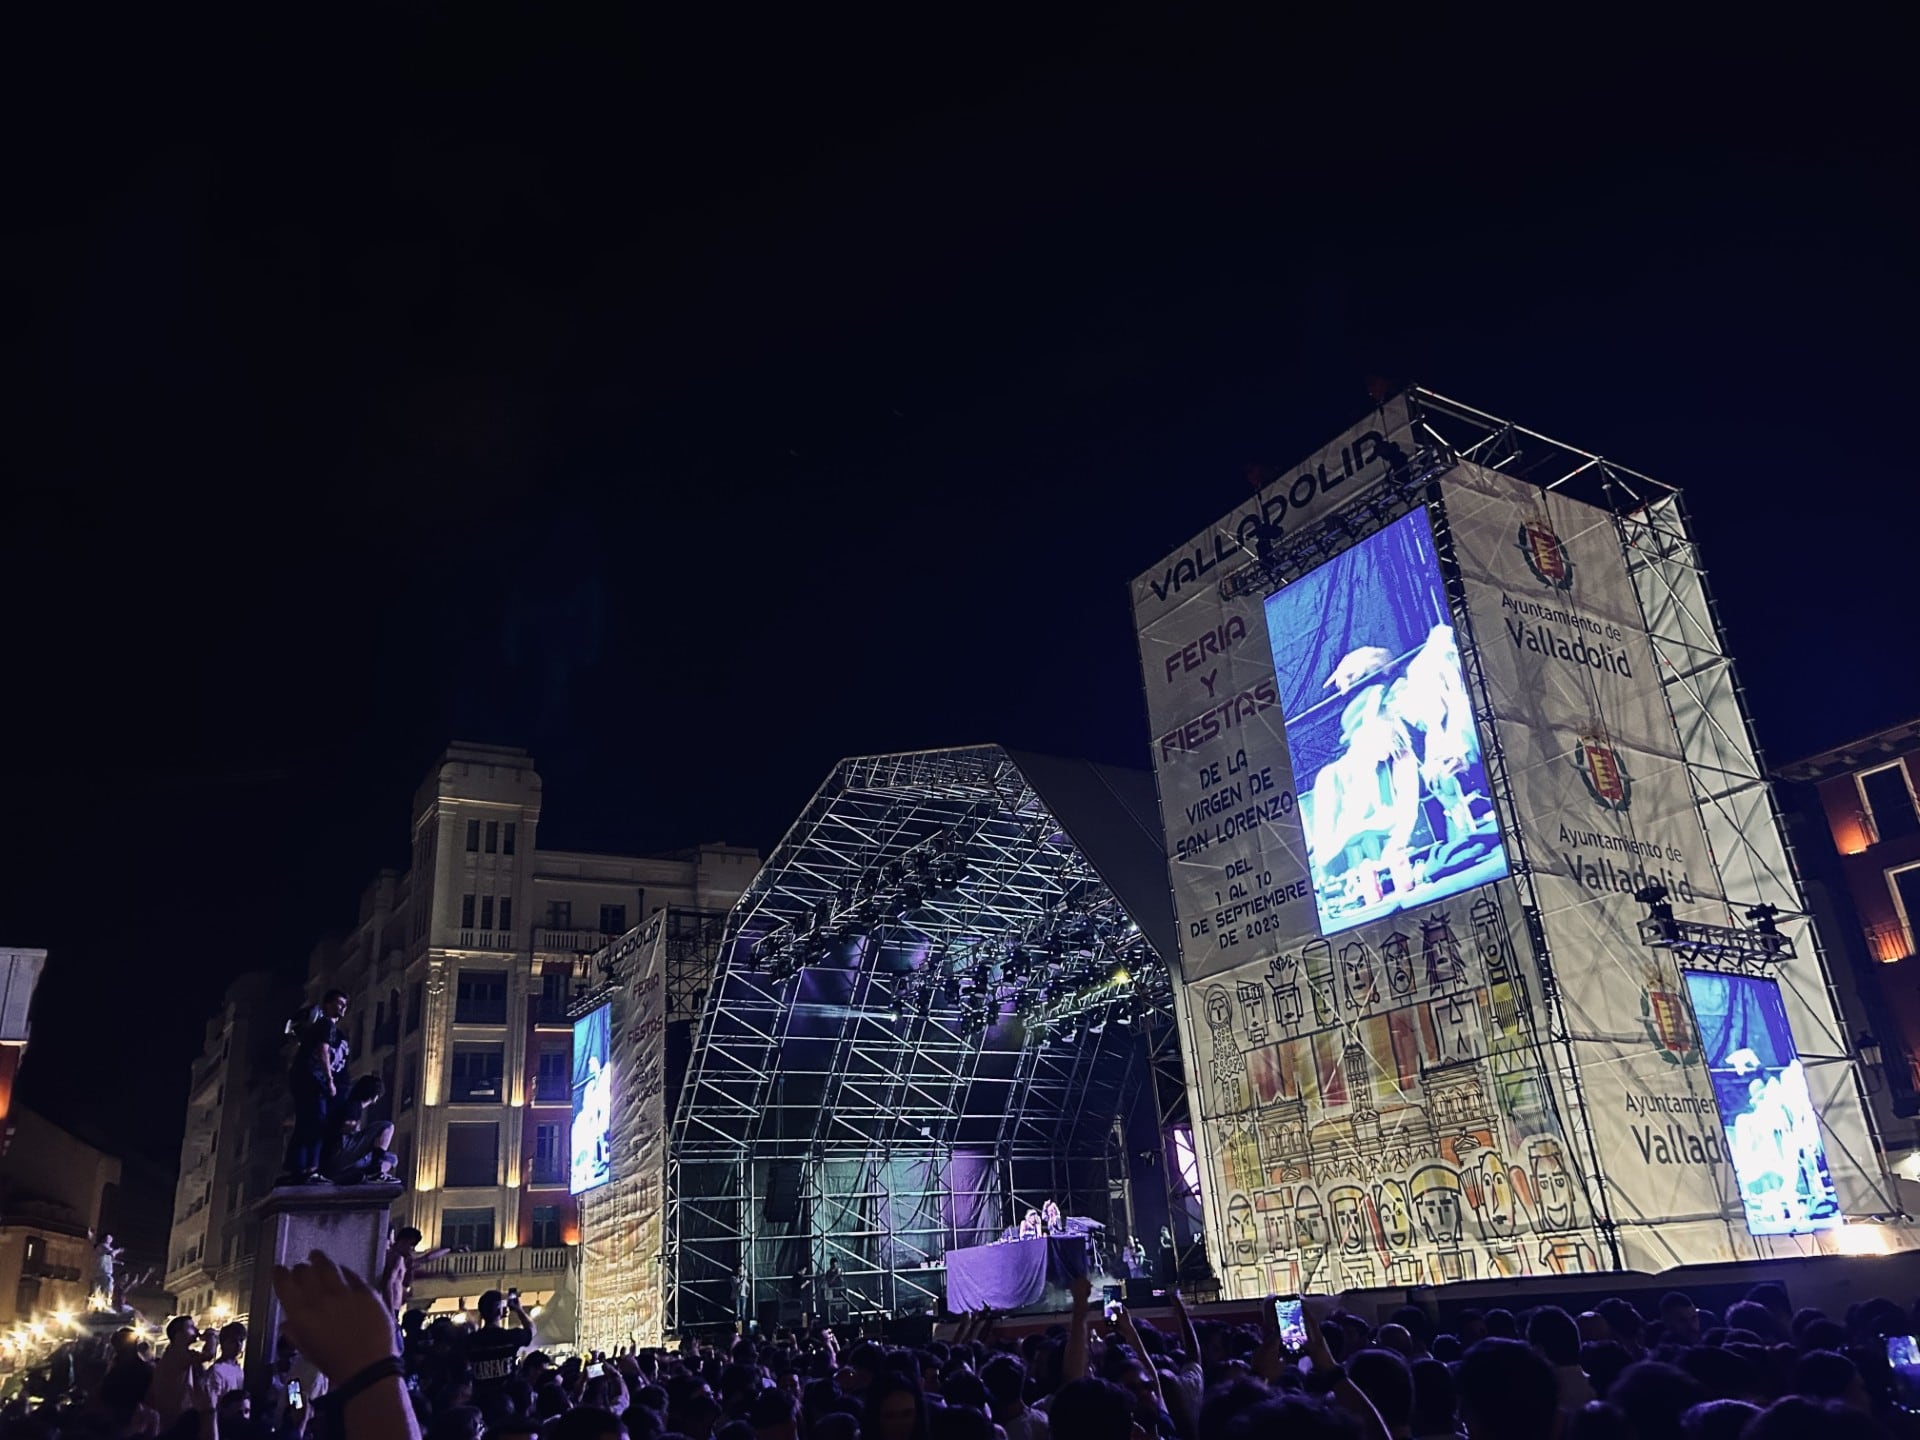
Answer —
926 1015
1752 857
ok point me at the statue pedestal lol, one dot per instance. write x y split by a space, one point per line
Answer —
349 1224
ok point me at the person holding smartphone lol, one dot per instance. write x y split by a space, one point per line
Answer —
493 1351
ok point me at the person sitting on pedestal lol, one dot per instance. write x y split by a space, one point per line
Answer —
357 1153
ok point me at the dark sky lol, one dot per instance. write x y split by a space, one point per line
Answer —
696 406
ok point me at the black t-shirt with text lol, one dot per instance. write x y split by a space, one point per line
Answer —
493 1354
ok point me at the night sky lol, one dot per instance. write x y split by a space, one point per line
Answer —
696 406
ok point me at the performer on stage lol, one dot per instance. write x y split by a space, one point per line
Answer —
1050 1219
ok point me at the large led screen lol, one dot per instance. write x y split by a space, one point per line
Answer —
1760 1090
1392 787
592 1102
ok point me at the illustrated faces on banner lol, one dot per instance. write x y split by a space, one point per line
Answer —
1380 1107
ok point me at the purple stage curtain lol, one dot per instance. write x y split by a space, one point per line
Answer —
973 1199
1013 1274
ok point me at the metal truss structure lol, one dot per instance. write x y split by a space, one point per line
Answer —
1758 877
926 1014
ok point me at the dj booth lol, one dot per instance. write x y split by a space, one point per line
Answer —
1012 1274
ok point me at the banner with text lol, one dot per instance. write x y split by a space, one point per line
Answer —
1373 1103
622 1234
1605 809
1235 847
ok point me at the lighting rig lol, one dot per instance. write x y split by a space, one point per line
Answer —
1081 963
1721 946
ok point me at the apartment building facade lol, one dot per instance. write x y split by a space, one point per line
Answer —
233 1146
460 971
1860 809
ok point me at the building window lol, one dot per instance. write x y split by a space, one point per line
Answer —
473 835
473 1155
559 914
556 989
476 1074
410 1082
486 912
1905 884
551 1081
416 993
493 836
466 1229
546 1227
613 919
466 912
481 998
1888 800
403 1158
548 1167
506 840
506 912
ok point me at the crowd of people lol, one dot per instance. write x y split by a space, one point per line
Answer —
1761 1370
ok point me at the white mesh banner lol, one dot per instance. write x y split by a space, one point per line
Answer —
1605 808
622 1223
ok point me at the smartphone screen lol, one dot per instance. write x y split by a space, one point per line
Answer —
595 1371
1113 1311
294 1401
1290 1315
1903 1367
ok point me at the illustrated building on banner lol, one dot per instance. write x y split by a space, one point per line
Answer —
1383 1094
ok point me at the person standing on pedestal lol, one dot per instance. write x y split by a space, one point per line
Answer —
319 1064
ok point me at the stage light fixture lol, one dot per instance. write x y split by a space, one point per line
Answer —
1659 912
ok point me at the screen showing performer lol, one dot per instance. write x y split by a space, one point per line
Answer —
1393 791
1760 1088
592 1102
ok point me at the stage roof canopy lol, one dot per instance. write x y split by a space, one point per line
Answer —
949 948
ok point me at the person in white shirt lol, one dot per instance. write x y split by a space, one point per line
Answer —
225 1373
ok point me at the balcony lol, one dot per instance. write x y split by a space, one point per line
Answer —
486 940
552 1090
474 1090
1888 943
548 1172
547 941
478 1264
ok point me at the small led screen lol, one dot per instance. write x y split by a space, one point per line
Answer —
1760 1090
1392 787
592 1102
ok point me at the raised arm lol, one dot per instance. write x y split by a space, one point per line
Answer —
1189 1337
1073 1365
1347 1395
526 1320
344 1328
1130 1333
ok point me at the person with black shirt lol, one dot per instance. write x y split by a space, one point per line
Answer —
493 1351
319 1063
